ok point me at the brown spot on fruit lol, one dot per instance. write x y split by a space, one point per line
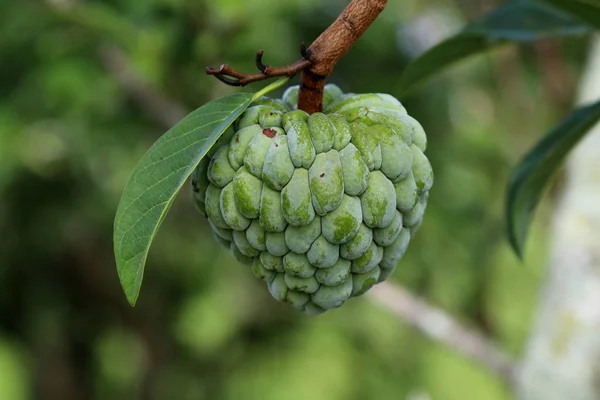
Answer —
270 133
322 175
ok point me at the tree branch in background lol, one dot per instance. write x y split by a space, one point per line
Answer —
442 327
318 60
166 111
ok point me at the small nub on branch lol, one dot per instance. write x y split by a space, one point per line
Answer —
231 77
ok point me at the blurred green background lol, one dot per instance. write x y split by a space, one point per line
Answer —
74 121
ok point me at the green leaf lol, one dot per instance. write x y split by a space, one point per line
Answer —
160 174
520 22
587 10
534 172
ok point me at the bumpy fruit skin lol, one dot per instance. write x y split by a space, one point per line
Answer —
320 207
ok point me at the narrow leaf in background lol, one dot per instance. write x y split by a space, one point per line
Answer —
513 22
532 175
587 10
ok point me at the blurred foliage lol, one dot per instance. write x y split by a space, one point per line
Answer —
70 133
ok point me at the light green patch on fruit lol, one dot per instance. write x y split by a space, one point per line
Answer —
271 215
342 133
367 144
334 275
368 260
344 225
341 224
298 265
322 253
396 156
247 189
326 182
358 245
302 151
256 235
354 171
220 172
239 144
278 167
292 117
321 132
386 236
378 201
296 200
352 101
231 214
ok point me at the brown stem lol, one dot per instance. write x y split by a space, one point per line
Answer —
325 52
231 77
318 60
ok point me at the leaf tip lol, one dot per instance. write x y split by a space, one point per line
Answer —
132 295
517 242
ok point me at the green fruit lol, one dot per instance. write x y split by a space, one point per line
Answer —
321 207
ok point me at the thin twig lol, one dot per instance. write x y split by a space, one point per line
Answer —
231 77
442 327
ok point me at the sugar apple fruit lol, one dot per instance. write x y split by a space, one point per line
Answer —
321 206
